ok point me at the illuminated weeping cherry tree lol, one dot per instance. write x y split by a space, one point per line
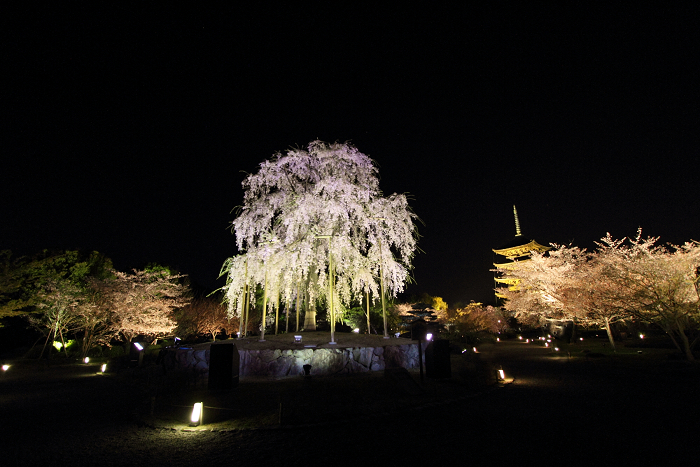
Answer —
314 224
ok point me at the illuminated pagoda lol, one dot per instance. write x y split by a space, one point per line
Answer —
508 255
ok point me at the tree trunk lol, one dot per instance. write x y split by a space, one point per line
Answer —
684 339
65 350
297 307
310 317
310 314
277 313
48 336
610 336
369 331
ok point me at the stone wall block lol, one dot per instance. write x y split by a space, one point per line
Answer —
200 355
364 356
327 361
281 365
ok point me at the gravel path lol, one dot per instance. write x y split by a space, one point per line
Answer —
558 409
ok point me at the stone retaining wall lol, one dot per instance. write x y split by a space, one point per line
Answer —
280 363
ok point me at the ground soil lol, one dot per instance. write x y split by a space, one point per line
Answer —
559 408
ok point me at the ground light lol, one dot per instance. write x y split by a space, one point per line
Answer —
501 374
139 347
103 368
297 339
86 360
197 412
5 367
428 337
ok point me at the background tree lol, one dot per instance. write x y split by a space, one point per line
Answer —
564 283
622 279
313 215
51 288
24 281
657 284
143 303
543 285
56 303
206 315
93 320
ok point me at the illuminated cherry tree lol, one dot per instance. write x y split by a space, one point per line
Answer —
657 284
142 303
315 217
564 283
622 279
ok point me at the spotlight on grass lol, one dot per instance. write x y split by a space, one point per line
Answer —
103 368
641 336
498 339
5 367
520 337
57 344
475 351
196 417
356 330
86 360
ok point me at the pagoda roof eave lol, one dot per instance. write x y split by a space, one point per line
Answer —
521 250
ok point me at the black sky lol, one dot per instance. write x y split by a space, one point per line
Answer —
126 127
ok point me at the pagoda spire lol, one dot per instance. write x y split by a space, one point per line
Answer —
517 222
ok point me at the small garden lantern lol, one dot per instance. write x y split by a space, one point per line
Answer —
197 413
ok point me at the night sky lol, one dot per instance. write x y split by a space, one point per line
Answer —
127 128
